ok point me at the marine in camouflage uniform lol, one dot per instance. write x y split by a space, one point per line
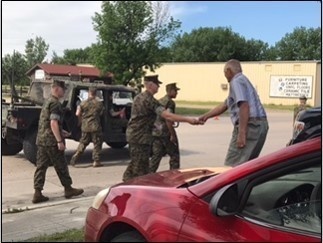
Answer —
91 111
164 135
145 109
48 149
301 106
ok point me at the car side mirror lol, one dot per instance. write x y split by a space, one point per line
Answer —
226 201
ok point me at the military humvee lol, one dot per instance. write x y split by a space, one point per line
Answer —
20 120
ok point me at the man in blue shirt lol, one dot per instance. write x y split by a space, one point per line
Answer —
247 114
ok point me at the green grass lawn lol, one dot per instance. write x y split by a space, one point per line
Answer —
73 235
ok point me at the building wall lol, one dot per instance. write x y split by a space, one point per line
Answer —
206 81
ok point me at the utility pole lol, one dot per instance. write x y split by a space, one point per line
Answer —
12 85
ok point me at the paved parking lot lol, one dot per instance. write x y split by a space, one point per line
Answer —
199 146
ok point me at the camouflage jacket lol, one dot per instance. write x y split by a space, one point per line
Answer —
91 112
299 108
160 127
51 110
145 108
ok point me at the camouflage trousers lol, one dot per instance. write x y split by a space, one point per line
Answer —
87 137
45 155
162 145
139 164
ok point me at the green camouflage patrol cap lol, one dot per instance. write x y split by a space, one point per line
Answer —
152 78
58 83
172 86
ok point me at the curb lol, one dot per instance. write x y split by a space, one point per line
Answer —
44 205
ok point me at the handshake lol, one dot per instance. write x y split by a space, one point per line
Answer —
197 121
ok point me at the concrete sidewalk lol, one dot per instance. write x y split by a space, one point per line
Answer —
44 218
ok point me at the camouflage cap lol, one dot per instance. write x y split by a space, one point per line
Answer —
58 83
152 78
172 86
302 97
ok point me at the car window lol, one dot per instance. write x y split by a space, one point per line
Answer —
292 201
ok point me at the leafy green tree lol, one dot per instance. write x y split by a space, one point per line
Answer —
255 50
209 45
130 38
73 56
301 44
13 71
35 51
57 59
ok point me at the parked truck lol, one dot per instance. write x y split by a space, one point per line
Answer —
20 119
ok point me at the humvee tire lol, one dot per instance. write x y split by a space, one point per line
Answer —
30 147
10 149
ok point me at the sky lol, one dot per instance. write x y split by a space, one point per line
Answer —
68 24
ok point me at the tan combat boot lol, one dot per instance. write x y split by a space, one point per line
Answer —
97 164
73 160
71 192
39 197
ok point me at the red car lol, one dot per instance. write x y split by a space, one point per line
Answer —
277 197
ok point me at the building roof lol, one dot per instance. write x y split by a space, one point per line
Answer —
55 69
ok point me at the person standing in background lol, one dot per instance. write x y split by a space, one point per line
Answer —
164 135
301 106
90 112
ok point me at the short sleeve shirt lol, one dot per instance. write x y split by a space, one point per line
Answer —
51 110
145 109
241 89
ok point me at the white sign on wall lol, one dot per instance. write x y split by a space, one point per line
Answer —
291 86
39 74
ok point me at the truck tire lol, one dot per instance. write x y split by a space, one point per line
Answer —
117 145
30 147
10 149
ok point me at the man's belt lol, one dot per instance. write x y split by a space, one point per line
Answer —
262 118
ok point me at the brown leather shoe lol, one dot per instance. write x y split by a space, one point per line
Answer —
72 192
39 197
97 164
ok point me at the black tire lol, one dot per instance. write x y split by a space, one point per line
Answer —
117 145
30 147
10 149
130 236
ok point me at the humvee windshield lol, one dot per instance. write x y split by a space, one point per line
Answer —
40 91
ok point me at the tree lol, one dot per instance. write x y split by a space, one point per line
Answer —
301 44
13 72
211 45
255 50
73 56
57 59
130 36
35 51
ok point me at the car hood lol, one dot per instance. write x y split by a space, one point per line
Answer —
176 178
